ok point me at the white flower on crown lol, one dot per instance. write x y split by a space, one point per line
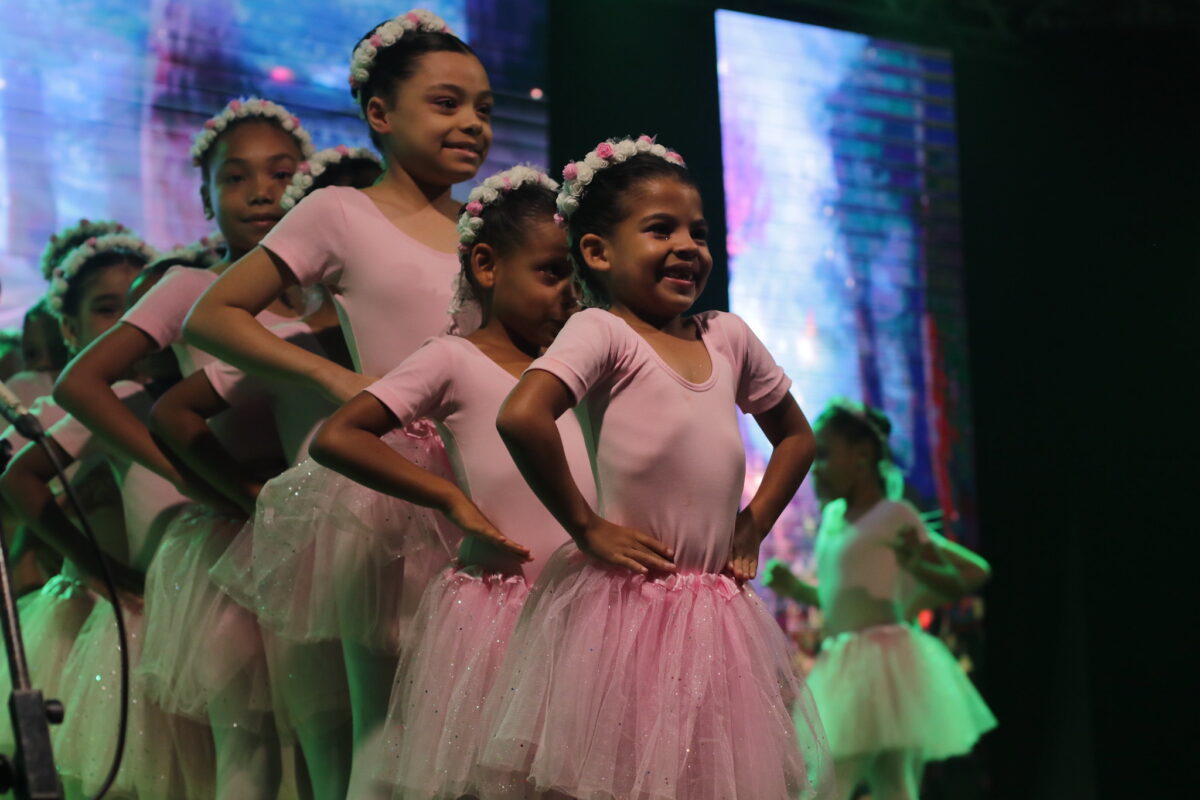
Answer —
70 265
57 247
316 166
244 108
386 35
491 191
578 174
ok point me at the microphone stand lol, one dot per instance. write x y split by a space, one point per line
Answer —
30 774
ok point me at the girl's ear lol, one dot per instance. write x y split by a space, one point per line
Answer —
377 118
595 253
206 201
483 265
66 326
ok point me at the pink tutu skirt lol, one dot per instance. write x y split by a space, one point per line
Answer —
51 619
203 654
433 736
895 687
676 688
165 755
329 559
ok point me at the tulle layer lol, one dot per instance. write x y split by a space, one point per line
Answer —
165 755
51 619
665 689
894 687
433 736
203 653
327 558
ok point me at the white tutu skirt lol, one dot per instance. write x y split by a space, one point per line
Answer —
674 688
895 687
203 654
165 756
51 619
433 736
329 559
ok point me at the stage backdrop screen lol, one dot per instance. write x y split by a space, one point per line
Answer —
99 102
841 197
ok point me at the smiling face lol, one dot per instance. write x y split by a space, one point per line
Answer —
248 170
532 287
437 126
656 261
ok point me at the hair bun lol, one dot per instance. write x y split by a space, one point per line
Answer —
879 420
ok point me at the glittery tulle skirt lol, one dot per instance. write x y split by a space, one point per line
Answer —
433 736
203 654
51 619
895 687
328 559
616 686
165 755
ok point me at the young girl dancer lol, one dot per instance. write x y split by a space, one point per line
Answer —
639 669
52 617
515 261
891 696
328 568
247 155
163 757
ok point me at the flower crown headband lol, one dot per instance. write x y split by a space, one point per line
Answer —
245 108
202 253
578 174
386 35
313 168
64 241
490 192
69 267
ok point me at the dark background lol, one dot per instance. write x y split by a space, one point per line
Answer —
1078 134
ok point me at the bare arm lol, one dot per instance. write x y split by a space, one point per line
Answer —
222 323
928 563
973 571
84 390
527 426
793 446
25 485
779 578
349 443
180 420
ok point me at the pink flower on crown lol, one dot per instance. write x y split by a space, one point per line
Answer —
342 149
674 157
560 220
570 172
91 242
475 208
58 273
646 139
412 17
85 221
235 105
462 248
507 182
305 167
376 40
295 120
604 150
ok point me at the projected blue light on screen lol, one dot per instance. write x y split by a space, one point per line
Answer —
99 102
840 171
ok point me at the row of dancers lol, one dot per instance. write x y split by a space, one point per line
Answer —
363 533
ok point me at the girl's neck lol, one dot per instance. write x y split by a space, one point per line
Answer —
647 323
864 496
398 186
498 342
